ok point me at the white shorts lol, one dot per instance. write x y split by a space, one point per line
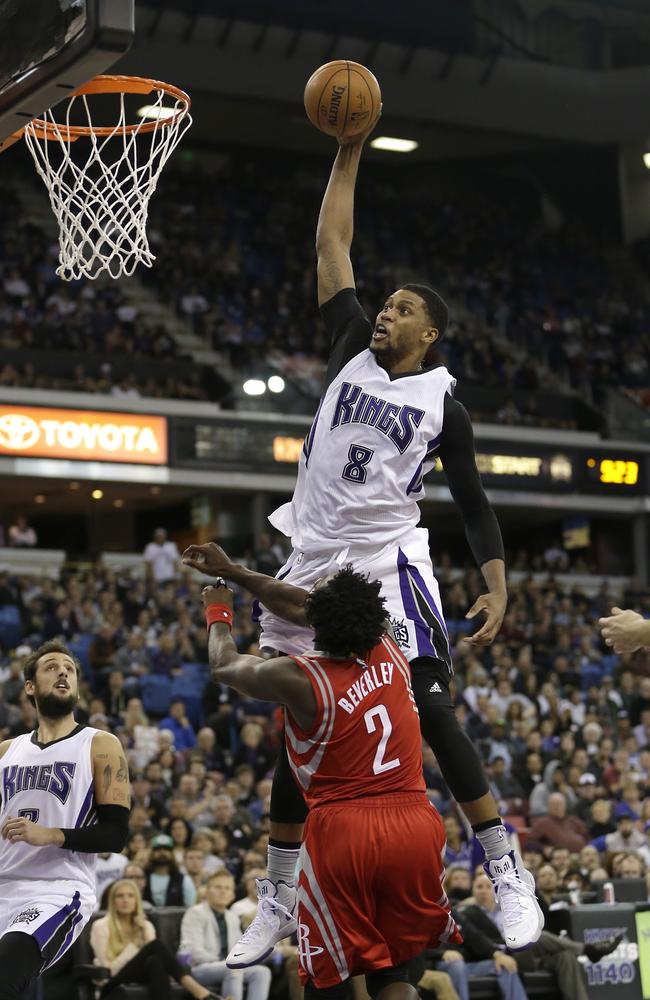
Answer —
53 912
407 582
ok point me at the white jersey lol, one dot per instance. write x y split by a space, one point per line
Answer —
51 784
372 441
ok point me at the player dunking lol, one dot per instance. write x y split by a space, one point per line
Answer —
65 798
383 418
364 905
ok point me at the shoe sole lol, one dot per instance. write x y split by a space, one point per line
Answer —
279 936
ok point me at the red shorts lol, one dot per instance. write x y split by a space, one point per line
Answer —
369 888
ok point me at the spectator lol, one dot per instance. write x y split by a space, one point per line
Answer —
109 868
124 942
252 751
103 648
246 907
546 884
458 883
165 658
181 833
194 866
207 840
209 931
21 535
506 784
457 851
632 867
141 796
135 873
162 557
179 725
601 819
482 953
586 791
114 696
166 884
479 924
558 829
626 837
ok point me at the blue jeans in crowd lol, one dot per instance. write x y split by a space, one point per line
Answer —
510 985
231 982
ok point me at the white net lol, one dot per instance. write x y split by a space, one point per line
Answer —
100 183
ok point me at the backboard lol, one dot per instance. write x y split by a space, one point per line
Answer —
49 47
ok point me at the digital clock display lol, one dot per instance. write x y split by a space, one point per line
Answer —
615 471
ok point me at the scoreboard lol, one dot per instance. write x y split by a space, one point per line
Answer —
274 446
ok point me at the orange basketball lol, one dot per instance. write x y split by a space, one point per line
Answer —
342 98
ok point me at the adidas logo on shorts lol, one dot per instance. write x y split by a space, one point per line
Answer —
435 688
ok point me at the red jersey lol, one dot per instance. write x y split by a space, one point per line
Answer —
366 736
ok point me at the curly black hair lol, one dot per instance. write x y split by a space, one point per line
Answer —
347 614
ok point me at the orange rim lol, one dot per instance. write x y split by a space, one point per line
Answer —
44 129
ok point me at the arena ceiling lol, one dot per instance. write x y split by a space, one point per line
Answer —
532 75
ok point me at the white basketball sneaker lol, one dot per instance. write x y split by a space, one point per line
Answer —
275 919
514 888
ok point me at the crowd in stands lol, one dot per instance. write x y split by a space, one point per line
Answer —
535 306
563 725
77 321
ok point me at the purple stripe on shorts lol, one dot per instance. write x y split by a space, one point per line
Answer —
47 930
423 634
422 587
87 805
66 944
422 630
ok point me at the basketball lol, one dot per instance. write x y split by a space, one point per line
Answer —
342 98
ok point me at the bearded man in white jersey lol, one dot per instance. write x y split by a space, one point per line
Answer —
384 417
65 798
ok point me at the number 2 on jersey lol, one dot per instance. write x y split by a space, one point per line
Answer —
379 764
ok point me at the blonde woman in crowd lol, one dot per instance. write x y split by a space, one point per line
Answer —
124 942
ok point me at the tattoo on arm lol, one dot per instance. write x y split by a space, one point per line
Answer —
122 773
108 775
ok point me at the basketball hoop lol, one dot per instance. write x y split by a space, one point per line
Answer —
101 199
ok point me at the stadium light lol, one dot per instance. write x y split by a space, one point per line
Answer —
97 494
152 111
646 160
254 387
275 383
393 145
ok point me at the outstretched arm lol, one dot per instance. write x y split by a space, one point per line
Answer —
282 599
278 679
336 221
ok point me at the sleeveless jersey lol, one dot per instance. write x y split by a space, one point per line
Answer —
366 738
52 785
360 474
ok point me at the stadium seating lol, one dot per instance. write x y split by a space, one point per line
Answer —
10 626
156 693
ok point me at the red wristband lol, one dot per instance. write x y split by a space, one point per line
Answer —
218 614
